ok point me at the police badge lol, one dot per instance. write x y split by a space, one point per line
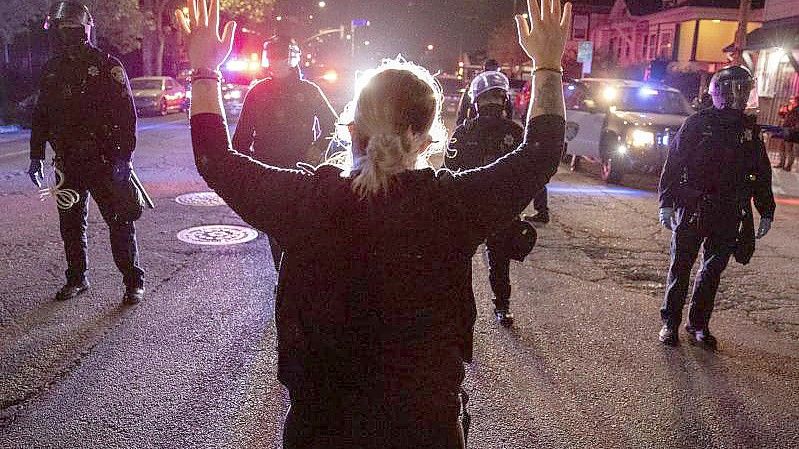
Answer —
118 73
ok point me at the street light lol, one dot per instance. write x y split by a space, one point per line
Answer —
322 4
279 18
366 43
430 47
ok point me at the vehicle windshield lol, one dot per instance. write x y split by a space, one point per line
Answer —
145 84
644 99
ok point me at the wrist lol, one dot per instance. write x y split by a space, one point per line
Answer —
206 73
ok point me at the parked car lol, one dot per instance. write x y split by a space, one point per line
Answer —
623 125
158 95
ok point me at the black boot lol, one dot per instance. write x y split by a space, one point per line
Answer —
133 295
541 217
71 290
701 336
504 317
668 336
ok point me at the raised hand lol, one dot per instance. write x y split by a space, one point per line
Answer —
207 50
544 38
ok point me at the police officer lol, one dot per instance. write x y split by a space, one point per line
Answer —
86 113
285 118
715 167
468 109
480 141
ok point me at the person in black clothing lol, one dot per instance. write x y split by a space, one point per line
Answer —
467 108
478 142
85 111
715 167
375 309
285 118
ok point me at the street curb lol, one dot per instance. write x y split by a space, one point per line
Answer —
10 129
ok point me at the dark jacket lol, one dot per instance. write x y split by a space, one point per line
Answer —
482 140
467 109
85 109
375 296
285 120
718 159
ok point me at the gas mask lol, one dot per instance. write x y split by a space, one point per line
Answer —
733 95
69 37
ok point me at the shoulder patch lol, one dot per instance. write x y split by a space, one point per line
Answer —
118 73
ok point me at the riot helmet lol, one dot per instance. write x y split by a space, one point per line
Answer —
69 24
731 87
491 65
487 81
281 51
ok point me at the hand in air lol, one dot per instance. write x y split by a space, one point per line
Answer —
207 50
544 37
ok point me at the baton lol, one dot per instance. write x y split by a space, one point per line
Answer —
147 200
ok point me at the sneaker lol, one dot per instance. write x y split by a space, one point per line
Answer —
504 317
540 217
701 336
668 336
133 295
71 290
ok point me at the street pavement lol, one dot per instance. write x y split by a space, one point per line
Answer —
193 366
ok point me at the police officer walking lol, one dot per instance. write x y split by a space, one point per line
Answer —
86 113
717 165
467 108
285 118
480 141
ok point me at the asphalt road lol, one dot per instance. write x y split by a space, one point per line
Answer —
194 365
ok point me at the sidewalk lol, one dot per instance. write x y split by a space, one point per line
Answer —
784 183
8 137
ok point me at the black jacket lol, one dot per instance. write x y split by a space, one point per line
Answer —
285 120
718 157
376 295
85 109
482 140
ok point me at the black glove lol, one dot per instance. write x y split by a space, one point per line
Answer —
120 173
36 172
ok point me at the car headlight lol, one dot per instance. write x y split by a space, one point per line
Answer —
638 138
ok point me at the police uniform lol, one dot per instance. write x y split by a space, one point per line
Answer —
715 168
85 110
284 121
476 143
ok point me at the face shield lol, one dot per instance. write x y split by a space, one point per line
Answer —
735 94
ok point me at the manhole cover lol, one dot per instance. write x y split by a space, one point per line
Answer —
217 235
200 199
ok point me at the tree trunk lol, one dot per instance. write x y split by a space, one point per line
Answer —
152 50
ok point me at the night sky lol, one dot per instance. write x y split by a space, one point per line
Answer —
408 26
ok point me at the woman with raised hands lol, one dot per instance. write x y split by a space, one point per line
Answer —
374 308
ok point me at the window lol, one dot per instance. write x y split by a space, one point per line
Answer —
653 41
666 43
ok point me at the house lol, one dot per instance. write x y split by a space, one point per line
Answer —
687 36
773 51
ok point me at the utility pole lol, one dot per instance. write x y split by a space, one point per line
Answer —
740 34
